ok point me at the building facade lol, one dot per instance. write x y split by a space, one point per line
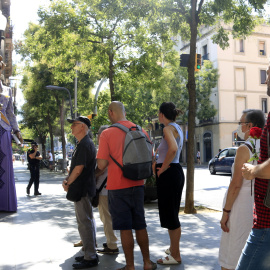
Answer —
6 39
241 85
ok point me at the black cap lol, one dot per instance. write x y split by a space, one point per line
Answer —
33 143
82 119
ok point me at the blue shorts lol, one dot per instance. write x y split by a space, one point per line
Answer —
256 253
127 208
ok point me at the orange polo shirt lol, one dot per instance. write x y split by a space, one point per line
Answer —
111 142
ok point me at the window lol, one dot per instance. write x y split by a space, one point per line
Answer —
232 153
240 79
263 76
223 153
264 105
239 46
262 48
240 106
205 53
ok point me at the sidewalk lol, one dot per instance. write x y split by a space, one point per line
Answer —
42 232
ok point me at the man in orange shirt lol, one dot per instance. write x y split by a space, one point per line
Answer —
126 197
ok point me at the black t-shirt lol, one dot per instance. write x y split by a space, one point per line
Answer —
33 161
85 154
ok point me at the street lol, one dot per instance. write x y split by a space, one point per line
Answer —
209 189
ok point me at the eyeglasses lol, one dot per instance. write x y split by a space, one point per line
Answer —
240 123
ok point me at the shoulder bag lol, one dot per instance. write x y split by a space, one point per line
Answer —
75 190
95 199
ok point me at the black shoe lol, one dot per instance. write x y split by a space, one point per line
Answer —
79 259
85 264
105 245
27 191
37 193
107 250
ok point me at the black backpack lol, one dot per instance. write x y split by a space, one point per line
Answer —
137 154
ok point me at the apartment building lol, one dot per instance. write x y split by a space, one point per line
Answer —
241 85
6 45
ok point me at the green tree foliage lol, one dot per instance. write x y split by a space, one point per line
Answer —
111 39
185 17
38 111
206 80
118 34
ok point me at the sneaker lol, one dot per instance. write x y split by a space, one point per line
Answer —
85 264
107 250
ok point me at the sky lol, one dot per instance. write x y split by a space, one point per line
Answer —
21 13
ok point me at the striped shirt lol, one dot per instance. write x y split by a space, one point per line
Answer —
261 214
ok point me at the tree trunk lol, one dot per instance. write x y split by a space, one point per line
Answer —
62 120
111 76
191 86
184 156
43 142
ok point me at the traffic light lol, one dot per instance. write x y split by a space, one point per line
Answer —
235 136
91 116
184 58
198 62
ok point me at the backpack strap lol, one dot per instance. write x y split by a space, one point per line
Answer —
126 130
102 185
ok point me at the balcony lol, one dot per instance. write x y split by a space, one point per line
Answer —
206 121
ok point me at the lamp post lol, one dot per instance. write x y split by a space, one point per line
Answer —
53 87
3 25
78 64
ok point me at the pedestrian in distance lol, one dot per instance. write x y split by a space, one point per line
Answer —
236 221
110 247
50 158
256 253
199 157
82 170
34 157
170 180
23 158
126 196
8 123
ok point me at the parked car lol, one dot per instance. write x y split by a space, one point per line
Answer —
222 162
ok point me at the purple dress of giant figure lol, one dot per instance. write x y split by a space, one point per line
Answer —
8 199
